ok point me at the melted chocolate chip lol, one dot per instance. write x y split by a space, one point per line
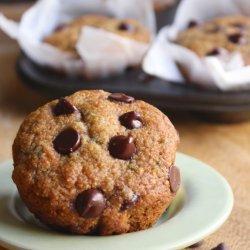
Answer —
67 141
174 178
131 120
64 107
192 24
122 147
198 244
90 203
129 203
120 97
125 27
238 38
221 246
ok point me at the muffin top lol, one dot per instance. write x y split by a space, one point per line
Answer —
93 140
66 36
218 36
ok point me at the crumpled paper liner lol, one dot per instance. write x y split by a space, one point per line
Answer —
102 53
226 72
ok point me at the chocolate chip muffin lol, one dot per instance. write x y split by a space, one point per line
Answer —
96 163
66 36
218 36
163 4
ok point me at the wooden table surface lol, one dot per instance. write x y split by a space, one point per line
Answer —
226 147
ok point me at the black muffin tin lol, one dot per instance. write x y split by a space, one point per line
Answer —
209 104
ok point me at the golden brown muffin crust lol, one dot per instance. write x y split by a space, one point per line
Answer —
49 182
65 37
230 32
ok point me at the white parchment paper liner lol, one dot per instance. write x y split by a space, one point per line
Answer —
224 72
102 53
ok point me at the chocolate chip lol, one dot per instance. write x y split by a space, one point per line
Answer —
67 141
64 107
120 97
129 203
122 147
198 244
238 38
125 27
174 178
192 24
221 246
61 27
216 52
131 120
90 203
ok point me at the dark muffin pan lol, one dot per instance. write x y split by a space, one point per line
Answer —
209 104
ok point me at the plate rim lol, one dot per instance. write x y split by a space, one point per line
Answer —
210 228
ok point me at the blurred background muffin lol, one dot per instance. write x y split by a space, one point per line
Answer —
163 4
65 37
82 35
218 36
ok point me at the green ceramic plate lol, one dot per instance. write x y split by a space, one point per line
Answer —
201 206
